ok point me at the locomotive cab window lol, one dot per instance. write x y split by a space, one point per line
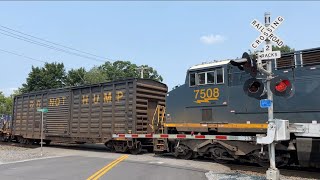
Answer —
192 79
210 77
215 76
202 78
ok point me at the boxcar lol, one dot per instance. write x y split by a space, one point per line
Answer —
90 114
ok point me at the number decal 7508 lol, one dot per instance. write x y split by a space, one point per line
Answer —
206 95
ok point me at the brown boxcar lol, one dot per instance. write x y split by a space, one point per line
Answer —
91 113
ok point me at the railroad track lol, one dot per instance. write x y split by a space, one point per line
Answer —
239 167
285 171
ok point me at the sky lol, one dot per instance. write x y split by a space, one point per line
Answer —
169 36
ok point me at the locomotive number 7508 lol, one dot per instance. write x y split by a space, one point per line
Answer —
210 94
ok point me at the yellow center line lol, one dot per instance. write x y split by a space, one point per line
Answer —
105 169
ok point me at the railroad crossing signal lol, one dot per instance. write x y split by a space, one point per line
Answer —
246 63
267 32
254 88
281 86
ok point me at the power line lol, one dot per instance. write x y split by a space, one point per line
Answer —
64 49
13 35
53 42
21 55
34 59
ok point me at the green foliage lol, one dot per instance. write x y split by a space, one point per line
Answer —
5 104
95 75
53 75
75 77
283 49
151 73
119 70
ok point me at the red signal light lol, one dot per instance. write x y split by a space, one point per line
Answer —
282 86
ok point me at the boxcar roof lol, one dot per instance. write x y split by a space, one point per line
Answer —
87 85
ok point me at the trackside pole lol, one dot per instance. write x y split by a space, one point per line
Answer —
41 135
272 173
43 110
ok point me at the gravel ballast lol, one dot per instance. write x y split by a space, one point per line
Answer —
11 153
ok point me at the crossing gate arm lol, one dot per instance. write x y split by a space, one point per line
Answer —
185 136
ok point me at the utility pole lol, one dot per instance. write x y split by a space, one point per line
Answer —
141 68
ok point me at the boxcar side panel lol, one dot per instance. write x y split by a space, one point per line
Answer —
98 111
26 119
57 121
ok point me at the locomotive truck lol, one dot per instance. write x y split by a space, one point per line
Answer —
209 115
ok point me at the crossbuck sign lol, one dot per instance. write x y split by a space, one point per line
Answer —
267 32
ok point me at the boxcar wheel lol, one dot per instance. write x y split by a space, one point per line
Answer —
136 149
47 142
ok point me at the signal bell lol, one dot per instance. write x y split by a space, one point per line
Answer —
246 63
254 88
281 86
250 66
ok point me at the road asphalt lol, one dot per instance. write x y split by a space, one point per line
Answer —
79 167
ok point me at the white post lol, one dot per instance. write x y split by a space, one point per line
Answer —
142 68
273 172
41 135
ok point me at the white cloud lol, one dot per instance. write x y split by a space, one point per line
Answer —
8 91
212 39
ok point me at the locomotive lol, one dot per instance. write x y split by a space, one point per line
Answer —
214 100
210 115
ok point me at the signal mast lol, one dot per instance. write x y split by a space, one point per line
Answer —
275 85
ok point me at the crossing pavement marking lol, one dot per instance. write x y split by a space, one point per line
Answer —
106 168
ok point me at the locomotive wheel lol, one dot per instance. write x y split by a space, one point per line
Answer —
220 155
183 152
2 138
136 149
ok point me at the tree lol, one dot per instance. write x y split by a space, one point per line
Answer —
5 104
126 69
52 75
119 70
151 73
283 49
75 77
95 75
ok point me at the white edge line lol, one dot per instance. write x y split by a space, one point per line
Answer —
26 160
